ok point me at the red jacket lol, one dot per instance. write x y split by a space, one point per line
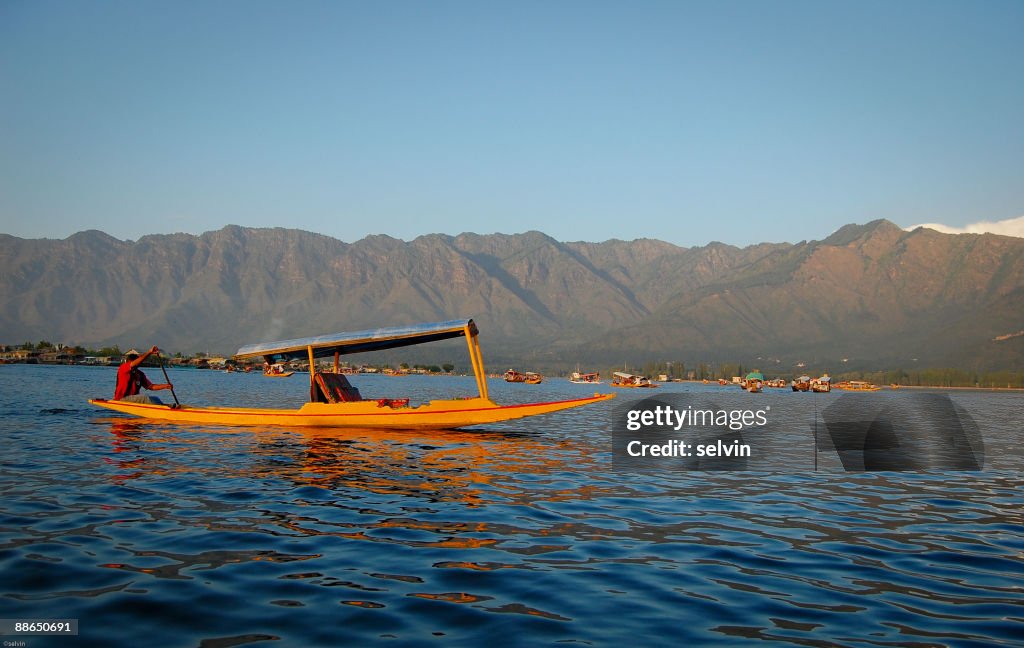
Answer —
130 380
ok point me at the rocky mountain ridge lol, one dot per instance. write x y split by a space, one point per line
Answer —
873 294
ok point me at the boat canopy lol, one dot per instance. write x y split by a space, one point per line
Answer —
324 346
622 374
755 375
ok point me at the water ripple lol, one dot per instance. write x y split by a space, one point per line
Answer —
225 537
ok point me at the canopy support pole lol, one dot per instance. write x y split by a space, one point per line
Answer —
312 373
337 356
476 359
480 361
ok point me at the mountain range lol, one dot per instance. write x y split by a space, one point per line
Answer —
868 296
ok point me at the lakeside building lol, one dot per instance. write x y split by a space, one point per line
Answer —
60 356
19 355
102 361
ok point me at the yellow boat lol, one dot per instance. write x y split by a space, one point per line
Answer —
335 403
857 385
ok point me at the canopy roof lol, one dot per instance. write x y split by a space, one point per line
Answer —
623 374
755 375
360 341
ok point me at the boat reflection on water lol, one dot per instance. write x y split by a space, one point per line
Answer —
354 485
436 465
469 467
128 441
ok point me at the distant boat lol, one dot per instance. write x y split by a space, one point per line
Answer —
822 385
857 385
753 382
528 377
585 378
277 371
623 379
801 384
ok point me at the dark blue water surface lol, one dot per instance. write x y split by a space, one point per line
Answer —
517 534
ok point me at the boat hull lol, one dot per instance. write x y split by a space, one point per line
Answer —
435 415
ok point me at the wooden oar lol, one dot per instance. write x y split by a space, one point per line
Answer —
162 368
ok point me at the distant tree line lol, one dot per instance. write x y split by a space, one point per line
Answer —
115 352
948 377
43 346
940 377
674 370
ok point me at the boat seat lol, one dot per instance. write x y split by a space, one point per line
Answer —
333 388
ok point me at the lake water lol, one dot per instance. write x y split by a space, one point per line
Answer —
522 533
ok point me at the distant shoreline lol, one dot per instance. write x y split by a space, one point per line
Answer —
697 382
1012 389
968 388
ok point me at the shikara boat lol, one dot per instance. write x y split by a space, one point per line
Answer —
277 370
528 377
822 385
754 382
578 378
857 385
623 379
335 403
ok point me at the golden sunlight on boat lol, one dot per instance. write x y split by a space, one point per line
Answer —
334 402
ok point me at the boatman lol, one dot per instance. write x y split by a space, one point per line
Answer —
130 380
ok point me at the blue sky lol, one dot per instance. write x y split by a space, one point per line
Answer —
740 121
